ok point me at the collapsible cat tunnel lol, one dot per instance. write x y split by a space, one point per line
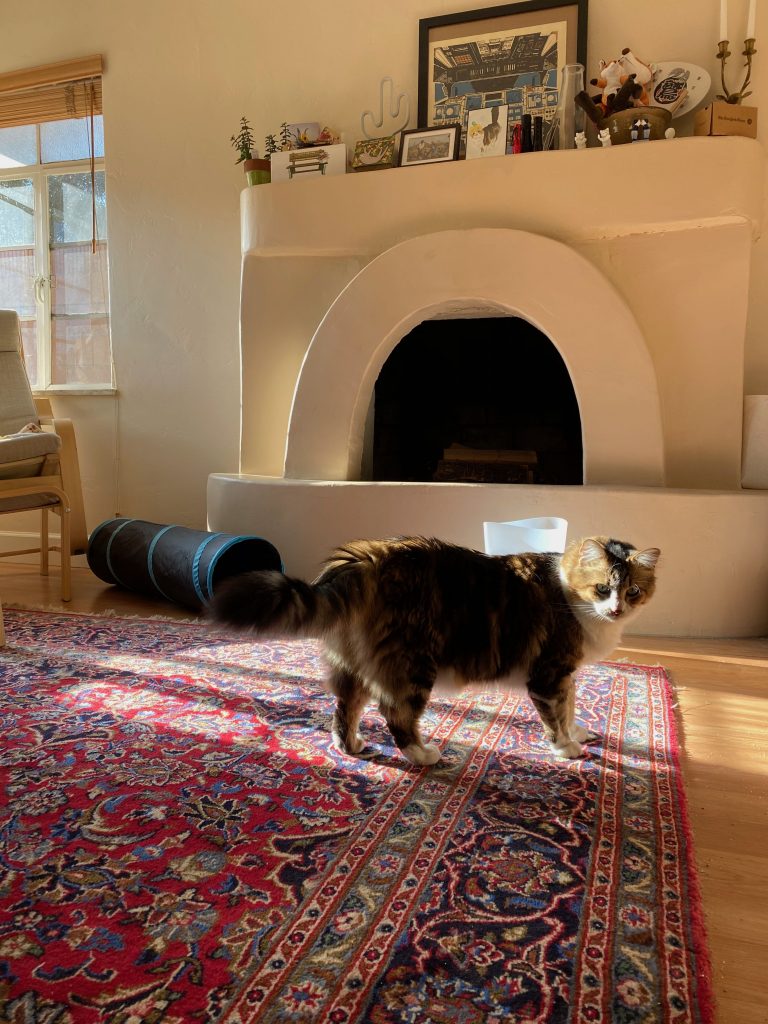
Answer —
181 565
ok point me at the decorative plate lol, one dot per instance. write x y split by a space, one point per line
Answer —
669 76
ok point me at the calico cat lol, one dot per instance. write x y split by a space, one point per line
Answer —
399 616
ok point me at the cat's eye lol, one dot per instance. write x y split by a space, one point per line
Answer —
633 591
603 589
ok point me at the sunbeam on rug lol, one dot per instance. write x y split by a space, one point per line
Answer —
182 842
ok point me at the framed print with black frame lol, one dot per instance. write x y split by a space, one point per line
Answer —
511 55
429 145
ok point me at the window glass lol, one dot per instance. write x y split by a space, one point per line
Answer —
17 280
80 350
79 280
70 211
71 140
18 146
17 212
58 284
29 344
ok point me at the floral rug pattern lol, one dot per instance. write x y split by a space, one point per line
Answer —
180 842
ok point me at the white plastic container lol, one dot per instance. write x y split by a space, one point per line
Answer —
543 533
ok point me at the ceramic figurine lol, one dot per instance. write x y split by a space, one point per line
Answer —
605 137
640 130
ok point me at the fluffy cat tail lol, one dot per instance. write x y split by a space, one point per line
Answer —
271 604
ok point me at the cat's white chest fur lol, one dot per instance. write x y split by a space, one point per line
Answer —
600 638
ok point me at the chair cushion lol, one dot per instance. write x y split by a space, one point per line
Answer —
9 330
31 448
18 447
17 406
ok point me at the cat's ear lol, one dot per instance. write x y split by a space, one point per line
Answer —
647 558
591 551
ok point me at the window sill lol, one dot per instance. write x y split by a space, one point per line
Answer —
73 392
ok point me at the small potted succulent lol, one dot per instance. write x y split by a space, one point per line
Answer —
256 169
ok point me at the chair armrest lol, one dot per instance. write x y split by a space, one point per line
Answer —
70 471
70 479
44 409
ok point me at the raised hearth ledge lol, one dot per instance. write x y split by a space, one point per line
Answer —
712 574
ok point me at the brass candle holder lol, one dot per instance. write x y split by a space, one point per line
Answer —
723 53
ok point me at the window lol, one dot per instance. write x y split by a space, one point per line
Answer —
53 235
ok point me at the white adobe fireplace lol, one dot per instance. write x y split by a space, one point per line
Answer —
633 262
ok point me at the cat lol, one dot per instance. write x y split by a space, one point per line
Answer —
399 616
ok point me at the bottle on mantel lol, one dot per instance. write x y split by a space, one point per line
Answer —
538 134
517 138
527 135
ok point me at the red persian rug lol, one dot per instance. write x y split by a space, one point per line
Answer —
180 842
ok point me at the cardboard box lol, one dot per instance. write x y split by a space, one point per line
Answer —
721 118
313 162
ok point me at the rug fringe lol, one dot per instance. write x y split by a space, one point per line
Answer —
107 613
699 931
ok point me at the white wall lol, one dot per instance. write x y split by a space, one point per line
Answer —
179 74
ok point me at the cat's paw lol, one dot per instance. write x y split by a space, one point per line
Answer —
354 747
568 751
581 734
422 755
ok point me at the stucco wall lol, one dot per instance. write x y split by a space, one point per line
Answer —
179 74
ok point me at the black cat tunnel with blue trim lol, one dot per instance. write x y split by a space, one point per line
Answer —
173 562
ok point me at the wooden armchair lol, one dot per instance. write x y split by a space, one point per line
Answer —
38 460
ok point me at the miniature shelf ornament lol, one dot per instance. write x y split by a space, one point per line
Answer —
399 112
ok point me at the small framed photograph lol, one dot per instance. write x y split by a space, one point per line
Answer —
429 145
304 133
487 132
313 162
372 154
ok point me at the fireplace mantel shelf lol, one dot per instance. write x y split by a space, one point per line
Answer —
571 196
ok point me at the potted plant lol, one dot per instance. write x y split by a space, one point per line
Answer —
256 169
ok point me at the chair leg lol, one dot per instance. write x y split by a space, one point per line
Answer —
66 554
44 542
2 628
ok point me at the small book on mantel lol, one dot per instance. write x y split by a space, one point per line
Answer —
669 91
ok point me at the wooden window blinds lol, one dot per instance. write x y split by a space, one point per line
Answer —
51 92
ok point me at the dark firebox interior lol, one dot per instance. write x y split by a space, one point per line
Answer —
494 391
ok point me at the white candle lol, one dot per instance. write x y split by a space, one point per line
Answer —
751 19
723 19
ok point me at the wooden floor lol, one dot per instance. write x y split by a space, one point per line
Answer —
723 694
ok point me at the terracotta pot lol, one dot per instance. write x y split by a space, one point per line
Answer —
257 172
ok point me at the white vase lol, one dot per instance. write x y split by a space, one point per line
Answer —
569 117
543 533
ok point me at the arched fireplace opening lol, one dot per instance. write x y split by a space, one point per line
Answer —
480 400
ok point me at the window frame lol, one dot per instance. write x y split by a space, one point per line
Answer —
38 173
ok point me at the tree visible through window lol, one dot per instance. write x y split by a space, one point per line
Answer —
53 249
